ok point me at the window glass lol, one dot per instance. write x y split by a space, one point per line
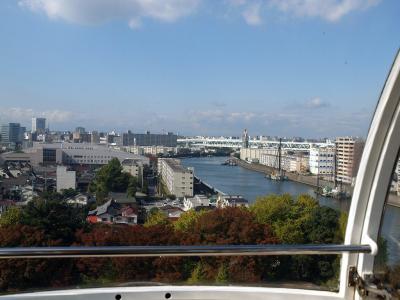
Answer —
196 122
387 262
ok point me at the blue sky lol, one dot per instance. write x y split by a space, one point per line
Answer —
198 67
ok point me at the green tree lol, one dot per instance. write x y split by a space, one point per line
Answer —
187 220
156 217
198 274
11 216
222 275
57 219
132 187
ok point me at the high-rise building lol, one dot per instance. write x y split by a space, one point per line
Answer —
11 134
80 130
38 125
245 139
348 156
95 137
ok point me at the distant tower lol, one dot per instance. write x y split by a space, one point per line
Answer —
245 139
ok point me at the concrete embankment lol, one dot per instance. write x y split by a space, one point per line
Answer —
394 200
310 180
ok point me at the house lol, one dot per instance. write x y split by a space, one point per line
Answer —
231 201
172 212
128 216
197 200
112 212
81 199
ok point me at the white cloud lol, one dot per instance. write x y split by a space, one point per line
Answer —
98 11
24 115
252 14
134 11
331 10
316 103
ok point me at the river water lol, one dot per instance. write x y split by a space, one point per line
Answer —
251 184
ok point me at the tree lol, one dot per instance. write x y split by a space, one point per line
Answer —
187 220
156 217
57 219
11 216
132 187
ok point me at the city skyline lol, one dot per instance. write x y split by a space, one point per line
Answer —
196 67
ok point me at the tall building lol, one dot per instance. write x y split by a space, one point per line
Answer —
245 139
149 139
177 179
95 137
80 130
11 134
38 125
348 156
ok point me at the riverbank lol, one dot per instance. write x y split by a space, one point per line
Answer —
310 180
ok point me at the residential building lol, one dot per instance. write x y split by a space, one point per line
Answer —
231 201
177 179
65 179
322 161
152 150
196 201
149 139
269 157
133 167
112 212
38 125
348 156
82 199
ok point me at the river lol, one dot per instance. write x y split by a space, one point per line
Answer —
251 184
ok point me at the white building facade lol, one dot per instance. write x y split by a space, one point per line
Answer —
322 161
65 179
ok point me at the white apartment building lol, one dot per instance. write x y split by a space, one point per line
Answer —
65 179
153 150
269 157
348 155
322 161
133 167
177 179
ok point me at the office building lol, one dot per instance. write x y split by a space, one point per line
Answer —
95 137
71 154
175 178
348 156
11 134
39 125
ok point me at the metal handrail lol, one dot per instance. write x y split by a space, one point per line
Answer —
157 251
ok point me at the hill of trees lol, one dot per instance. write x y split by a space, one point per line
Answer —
270 220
